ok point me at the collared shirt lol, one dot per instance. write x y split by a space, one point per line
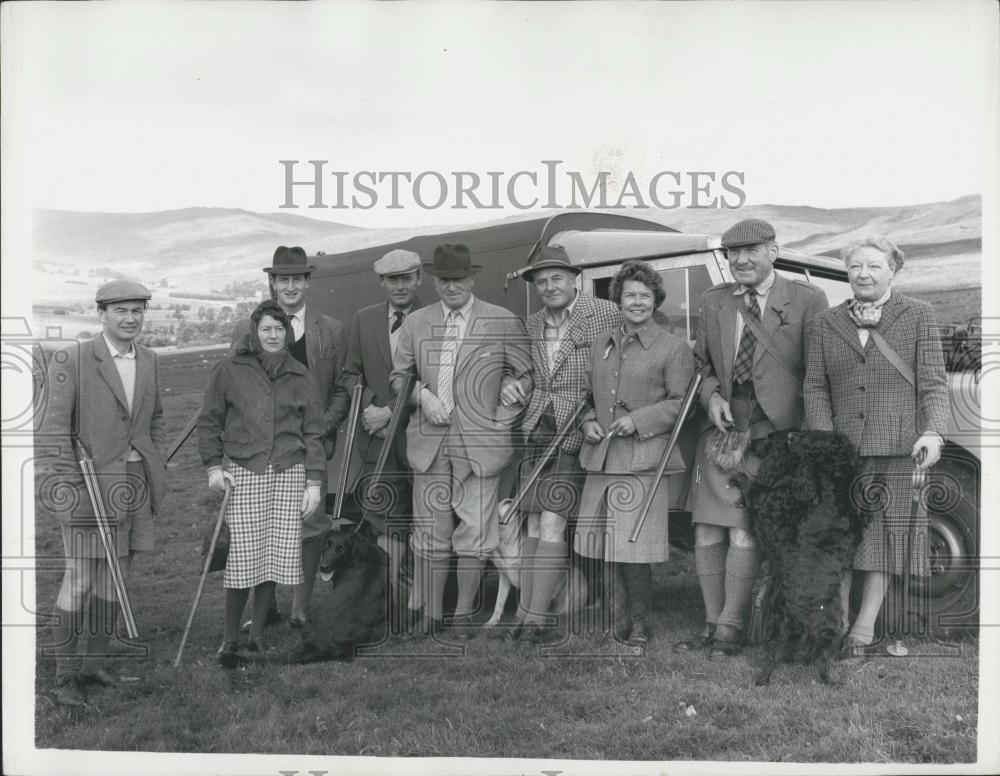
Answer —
762 290
394 335
863 333
125 364
554 332
298 321
462 319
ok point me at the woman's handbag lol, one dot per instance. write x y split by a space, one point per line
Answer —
221 552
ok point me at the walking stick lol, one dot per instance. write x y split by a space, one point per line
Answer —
917 482
689 398
182 437
204 571
390 435
345 462
553 446
104 530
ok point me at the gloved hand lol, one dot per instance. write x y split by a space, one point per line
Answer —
310 498
217 477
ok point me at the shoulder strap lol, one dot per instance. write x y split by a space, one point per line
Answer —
893 357
790 364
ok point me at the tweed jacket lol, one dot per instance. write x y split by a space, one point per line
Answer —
86 400
855 390
791 307
645 377
495 344
561 387
325 350
369 361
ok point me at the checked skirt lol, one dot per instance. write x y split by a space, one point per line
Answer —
265 543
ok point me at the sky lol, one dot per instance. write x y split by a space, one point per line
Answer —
143 106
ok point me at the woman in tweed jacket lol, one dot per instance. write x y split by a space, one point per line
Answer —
852 387
262 428
638 373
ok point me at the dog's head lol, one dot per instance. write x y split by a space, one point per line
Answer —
343 548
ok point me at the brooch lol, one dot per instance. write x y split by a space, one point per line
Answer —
781 317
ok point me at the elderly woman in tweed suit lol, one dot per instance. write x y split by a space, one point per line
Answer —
262 428
638 373
896 414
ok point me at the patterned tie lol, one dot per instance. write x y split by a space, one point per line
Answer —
396 324
743 369
446 375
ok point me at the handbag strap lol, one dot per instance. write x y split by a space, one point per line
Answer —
893 357
790 364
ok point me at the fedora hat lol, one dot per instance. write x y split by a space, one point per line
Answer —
452 261
289 261
548 257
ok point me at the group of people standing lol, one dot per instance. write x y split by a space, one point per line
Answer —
486 388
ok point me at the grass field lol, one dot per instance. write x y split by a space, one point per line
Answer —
586 699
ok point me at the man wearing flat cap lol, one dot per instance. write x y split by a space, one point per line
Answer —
560 335
319 346
106 396
374 338
459 437
751 349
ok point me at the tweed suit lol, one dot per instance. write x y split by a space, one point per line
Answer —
325 350
477 444
855 390
369 361
791 307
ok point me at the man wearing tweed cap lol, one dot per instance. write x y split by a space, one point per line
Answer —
752 385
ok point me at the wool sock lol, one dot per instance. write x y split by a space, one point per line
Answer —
710 566
66 632
551 568
863 631
742 565
638 578
529 548
438 569
470 574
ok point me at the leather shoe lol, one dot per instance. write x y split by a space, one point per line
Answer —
725 643
463 627
639 636
102 677
702 641
228 655
68 692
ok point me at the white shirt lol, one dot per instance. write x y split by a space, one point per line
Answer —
394 335
554 332
462 319
125 364
298 321
762 289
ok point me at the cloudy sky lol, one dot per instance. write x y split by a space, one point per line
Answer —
141 107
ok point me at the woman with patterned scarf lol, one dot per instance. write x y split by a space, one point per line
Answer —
261 428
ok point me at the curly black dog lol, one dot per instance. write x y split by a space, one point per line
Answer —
803 518
352 611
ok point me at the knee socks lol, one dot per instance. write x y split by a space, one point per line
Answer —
710 566
470 574
551 567
529 546
638 578
742 565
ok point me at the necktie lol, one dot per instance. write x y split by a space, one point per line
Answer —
398 322
446 375
743 369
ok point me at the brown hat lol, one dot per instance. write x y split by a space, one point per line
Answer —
548 257
121 291
452 261
289 261
749 231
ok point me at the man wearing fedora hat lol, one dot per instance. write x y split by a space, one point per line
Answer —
374 338
752 385
319 346
459 437
560 335
106 395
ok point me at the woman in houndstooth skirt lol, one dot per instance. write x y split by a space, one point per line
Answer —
261 428
891 400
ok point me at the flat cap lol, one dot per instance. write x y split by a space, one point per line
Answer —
749 231
120 290
548 257
397 262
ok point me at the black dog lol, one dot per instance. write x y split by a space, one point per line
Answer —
803 518
352 611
